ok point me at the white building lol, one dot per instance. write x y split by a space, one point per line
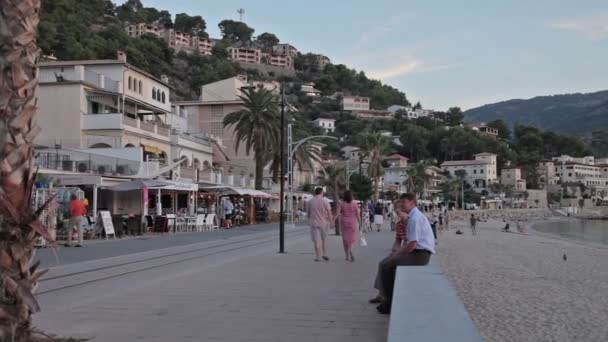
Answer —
409 112
512 176
546 174
110 104
352 153
395 175
355 103
479 173
309 90
328 125
285 49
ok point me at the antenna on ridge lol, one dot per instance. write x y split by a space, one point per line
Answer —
241 13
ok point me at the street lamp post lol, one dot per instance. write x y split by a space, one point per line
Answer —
283 104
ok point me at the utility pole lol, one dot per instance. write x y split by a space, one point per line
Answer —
241 13
283 104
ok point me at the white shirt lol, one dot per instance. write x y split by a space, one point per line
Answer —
419 230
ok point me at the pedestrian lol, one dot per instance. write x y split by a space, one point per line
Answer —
348 212
417 250
228 210
394 216
371 209
473 224
367 225
378 216
400 238
319 218
77 212
440 220
434 225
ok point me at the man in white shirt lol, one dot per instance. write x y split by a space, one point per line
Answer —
416 251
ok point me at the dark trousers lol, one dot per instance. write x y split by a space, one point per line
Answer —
388 269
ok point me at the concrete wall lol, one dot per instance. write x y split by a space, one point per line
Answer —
58 118
540 195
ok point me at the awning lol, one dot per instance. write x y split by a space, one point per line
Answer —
232 190
152 149
180 186
139 184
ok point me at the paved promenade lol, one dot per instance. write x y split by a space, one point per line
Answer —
237 289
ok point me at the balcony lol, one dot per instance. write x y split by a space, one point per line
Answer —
82 162
111 121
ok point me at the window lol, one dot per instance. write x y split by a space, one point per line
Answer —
158 95
570 174
475 172
153 93
481 171
217 128
217 111
130 82
163 97
140 87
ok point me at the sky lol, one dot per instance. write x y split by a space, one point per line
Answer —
442 53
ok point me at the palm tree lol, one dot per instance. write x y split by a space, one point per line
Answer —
375 146
257 125
335 179
19 225
417 178
461 175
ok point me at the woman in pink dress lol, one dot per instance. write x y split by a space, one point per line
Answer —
350 220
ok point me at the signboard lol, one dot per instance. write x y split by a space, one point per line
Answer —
106 221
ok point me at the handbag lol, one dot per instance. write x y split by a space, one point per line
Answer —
362 240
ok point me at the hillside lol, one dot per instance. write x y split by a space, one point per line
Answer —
95 29
568 113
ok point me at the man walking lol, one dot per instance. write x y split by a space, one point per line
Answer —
77 212
473 224
416 251
319 218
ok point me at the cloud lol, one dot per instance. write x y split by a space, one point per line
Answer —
408 67
594 27
378 31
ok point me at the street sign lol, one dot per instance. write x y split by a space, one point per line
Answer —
106 221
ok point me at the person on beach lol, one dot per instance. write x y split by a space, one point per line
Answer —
350 220
417 250
400 237
378 216
319 218
473 224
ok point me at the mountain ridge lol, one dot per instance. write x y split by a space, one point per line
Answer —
575 113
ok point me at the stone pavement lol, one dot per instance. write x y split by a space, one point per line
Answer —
249 294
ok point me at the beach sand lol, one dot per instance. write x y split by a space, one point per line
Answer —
517 287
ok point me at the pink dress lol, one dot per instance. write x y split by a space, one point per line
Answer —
349 214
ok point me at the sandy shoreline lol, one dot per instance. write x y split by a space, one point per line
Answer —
518 288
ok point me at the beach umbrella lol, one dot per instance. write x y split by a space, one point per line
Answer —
138 184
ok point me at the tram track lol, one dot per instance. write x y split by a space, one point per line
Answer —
119 268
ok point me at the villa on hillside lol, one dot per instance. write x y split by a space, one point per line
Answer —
479 172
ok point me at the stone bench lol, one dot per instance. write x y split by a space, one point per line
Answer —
426 308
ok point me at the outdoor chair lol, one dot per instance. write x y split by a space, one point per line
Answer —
200 222
211 222
171 221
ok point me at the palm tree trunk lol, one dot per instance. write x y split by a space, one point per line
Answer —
336 199
259 168
19 225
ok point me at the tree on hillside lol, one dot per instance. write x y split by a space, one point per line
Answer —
19 223
267 41
454 116
165 19
375 147
418 105
417 178
503 129
235 31
194 25
414 140
599 142
256 126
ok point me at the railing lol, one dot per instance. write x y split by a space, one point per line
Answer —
147 126
187 173
162 130
82 162
195 139
129 121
